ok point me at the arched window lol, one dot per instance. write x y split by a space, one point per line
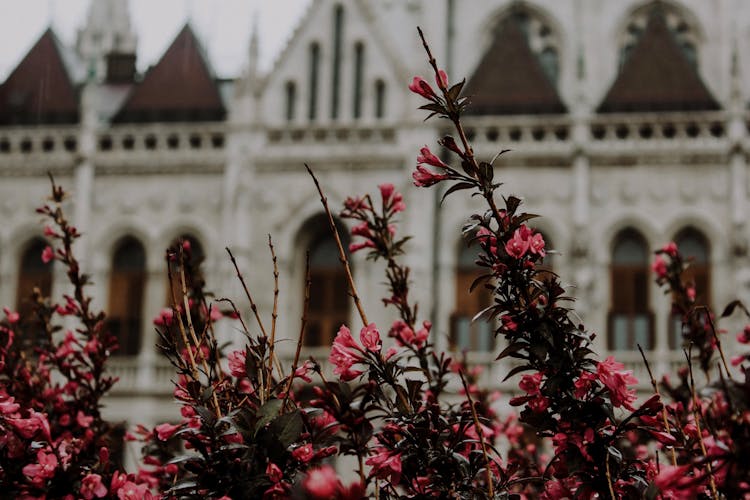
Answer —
193 273
379 99
694 247
359 66
338 28
329 289
33 273
291 100
465 335
127 282
630 319
541 39
312 111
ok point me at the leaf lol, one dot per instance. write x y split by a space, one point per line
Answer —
486 171
455 90
512 348
615 453
457 187
287 428
729 309
518 369
267 412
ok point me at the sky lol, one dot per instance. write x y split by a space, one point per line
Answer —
224 27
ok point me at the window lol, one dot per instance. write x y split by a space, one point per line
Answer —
329 289
359 62
630 320
291 99
465 335
541 39
694 248
379 99
126 286
338 27
33 273
684 33
193 273
314 74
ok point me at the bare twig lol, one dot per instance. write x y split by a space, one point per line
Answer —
609 478
488 470
301 337
707 312
663 408
274 314
697 417
342 254
253 306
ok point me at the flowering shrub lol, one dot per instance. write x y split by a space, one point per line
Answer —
414 420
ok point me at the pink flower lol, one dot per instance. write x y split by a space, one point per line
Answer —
303 371
386 191
92 487
517 246
421 87
343 356
8 406
322 482
304 453
83 420
531 383
356 204
48 254
355 247
165 431
583 384
362 229
11 316
441 79
386 465
659 267
164 318
670 249
617 380
427 157
274 473
536 245
43 469
690 292
49 232
132 491
424 177
237 365
370 338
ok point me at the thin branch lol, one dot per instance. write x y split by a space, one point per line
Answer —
697 417
247 292
308 282
707 312
663 408
342 254
488 471
609 478
274 314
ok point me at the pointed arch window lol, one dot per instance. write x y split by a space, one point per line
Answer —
127 282
329 298
379 99
541 39
338 29
465 335
312 111
630 319
33 273
359 67
695 248
193 273
291 100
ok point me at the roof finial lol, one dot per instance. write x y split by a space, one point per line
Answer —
254 46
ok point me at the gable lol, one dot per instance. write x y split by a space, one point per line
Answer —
509 78
180 87
657 76
39 90
335 92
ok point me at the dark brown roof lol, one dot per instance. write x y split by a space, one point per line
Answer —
510 80
657 76
179 87
39 90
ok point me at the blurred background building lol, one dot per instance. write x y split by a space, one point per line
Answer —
627 122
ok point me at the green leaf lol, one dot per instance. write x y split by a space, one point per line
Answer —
517 369
267 412
457 187
287 428
512 348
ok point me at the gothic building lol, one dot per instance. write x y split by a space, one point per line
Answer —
627 122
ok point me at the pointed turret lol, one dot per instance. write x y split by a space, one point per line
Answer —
107 43
510 79
180 87
657 76
39 90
